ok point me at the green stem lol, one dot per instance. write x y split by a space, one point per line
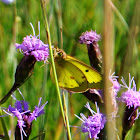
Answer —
66 116
52 60
108 63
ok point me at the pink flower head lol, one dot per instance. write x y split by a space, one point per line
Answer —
24 116
131 97
7 1
39 110
89 37
116 86
32 45
93 124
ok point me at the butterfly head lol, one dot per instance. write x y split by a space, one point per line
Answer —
59 54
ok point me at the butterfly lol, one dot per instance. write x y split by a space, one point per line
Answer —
74 75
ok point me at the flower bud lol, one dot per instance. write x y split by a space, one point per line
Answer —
23 72
128 119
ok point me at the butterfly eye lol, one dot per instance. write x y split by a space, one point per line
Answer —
60 53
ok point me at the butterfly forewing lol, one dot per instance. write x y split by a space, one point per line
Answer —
93 77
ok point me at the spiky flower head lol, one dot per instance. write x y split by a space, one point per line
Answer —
115 84
131 97
24 116
93 124
32 45
7 1
89 37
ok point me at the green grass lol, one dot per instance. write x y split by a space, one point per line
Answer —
74 17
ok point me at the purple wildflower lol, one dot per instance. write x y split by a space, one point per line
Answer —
89 37
32 45
7 1
114 81
131 97
39 110
24 116
116 86
114 90
93 124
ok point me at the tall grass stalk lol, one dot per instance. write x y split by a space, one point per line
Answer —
58 18
53 67
108 63
66 115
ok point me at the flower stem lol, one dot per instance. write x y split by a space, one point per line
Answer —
66 117
108 63
52 60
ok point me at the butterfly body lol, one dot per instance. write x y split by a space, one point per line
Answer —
75 75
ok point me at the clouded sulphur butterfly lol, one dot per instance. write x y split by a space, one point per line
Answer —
75 75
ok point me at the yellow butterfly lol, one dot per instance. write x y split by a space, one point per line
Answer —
73 74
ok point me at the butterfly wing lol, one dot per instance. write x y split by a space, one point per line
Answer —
93 77
69 76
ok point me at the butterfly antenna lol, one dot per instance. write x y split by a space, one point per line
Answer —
45 62
61 38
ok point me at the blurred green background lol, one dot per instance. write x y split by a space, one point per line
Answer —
74 17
